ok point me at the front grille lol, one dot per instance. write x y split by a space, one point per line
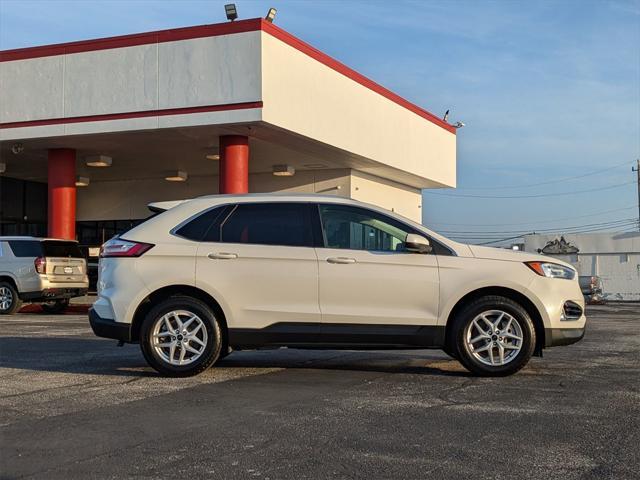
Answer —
572 311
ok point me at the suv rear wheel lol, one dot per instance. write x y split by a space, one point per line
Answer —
9 300
181 337
493 336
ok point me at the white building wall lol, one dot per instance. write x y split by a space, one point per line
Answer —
614 257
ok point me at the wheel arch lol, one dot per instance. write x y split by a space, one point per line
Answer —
9 279
171 291
506 292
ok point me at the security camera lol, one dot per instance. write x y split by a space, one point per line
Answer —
17 148
459 125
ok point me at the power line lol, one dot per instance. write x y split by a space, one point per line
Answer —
550 182
609 187
535 221
633 223
539 230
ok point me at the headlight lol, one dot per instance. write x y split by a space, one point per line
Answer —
552 270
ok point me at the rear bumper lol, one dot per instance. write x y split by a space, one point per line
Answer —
52 294
562 336
107 328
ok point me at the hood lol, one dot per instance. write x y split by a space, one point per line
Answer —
492 253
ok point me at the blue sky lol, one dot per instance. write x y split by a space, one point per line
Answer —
548 89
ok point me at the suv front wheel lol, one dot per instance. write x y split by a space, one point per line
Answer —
181 337
493 336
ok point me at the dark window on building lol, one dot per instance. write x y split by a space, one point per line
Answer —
205 227
26 248
286 224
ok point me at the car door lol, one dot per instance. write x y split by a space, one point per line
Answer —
371 289
260 263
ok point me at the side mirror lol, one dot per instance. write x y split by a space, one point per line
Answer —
417 244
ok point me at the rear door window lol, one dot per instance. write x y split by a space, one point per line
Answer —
54 248
26 248
204 227
287 224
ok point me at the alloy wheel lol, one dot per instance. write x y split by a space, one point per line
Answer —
6 298
179 337
494 338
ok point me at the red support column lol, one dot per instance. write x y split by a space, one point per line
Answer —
62 193
234 164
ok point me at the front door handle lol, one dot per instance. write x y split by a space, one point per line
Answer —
222 256
341 260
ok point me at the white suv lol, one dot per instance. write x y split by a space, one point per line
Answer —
233 272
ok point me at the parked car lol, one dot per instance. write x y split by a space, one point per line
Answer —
40 270
233 272
591 286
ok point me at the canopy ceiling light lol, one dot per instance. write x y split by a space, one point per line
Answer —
231 11
98 161
271 14
82 181
213 156
180 176
284 171
3 167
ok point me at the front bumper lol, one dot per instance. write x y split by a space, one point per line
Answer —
562 336
107 328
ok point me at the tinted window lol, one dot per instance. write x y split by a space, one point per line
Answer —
54 248
361 229
269 224
26 248
198 228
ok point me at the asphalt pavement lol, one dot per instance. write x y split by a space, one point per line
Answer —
76 406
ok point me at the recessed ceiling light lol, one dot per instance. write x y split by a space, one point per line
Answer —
314 165
213 157
82 181
180 176
98 161
284 171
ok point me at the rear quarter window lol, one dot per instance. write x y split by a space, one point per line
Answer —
54 248
25 248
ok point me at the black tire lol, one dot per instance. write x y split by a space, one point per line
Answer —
55 307
484 304
209 355
14 303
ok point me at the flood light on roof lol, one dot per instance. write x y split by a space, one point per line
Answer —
271 14
231 11
179 176
284 171
98 161
82 181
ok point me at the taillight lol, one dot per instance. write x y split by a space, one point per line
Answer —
41 264
119 247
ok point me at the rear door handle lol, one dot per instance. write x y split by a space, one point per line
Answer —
222 256
341 260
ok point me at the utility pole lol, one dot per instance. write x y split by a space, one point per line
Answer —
637 170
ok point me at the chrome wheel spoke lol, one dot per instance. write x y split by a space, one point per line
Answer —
197 340
512 336
162 334
167 324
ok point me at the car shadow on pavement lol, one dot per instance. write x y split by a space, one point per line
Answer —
94 356
91 356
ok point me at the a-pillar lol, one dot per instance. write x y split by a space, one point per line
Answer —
62 193
234 164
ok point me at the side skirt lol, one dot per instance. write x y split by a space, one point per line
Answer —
338 335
